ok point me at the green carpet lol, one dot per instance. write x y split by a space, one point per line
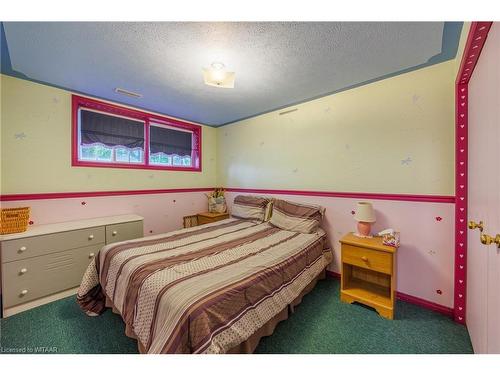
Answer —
320 324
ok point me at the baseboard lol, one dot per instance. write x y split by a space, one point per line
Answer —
448 311
426 304
333 275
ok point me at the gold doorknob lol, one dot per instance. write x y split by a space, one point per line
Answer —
488 240
474 225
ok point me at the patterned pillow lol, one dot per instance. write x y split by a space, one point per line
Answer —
249 207
296 217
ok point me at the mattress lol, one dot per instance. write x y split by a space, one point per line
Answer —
204 289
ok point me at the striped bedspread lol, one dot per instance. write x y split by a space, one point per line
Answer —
204 289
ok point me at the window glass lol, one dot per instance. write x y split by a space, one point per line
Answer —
170 147
112 139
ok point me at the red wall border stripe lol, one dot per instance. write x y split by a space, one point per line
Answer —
23 197
392 197
448 311
475 41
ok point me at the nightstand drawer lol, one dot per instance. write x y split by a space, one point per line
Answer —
366 258
207 218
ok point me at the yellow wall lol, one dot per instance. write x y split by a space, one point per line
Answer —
41 161
354 141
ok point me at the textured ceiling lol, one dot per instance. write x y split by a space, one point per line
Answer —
276 64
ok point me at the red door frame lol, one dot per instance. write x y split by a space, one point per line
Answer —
475 41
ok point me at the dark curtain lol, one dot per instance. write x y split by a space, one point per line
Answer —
169 141
110 130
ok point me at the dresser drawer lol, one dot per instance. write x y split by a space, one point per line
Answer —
379 261
124 231
29 279
50 243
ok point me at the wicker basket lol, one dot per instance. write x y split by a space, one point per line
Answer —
14 220
190 221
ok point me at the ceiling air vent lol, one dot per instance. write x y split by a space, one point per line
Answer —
289 111
128 93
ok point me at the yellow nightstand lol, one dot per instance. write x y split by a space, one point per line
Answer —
368 273
210 217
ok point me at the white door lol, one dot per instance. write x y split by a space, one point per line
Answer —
483 261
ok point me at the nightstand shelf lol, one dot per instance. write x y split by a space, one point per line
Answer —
368 273
367 293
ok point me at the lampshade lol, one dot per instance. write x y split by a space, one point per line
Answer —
365 212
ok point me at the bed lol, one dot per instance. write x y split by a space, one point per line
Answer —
215 288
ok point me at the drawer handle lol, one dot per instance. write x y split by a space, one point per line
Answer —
22 271
91 255
22 249
114 233
91 237
364 259
24 292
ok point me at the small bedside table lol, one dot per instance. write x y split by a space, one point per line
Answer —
368 273
210 217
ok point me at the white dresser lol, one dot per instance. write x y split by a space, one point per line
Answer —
47 262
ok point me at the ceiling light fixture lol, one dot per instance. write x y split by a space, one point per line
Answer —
217 76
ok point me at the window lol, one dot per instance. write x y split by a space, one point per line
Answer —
106 138
106 135
168 146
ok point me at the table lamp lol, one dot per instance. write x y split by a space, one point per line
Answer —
365 216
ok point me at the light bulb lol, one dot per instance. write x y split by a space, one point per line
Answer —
218 75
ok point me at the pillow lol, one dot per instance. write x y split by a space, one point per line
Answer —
249 207
296 217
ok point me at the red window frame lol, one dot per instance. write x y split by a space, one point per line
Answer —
113 109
